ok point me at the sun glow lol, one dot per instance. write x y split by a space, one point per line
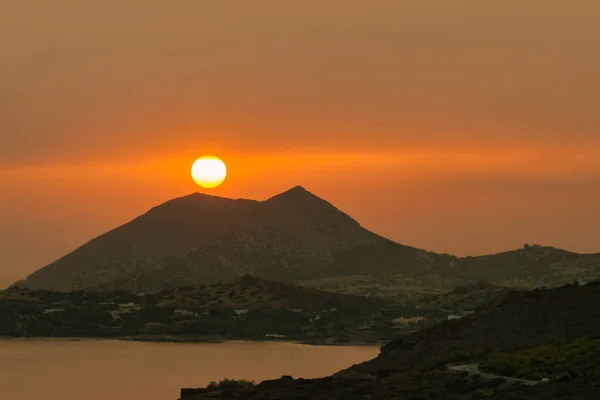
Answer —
209 171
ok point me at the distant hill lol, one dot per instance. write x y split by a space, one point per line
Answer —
256 293
248 309
530 266
465 298
292 237
249 292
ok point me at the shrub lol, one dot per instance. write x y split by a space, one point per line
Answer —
556 359
231 384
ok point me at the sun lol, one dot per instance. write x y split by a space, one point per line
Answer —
209 171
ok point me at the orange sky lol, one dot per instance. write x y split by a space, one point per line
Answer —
464 127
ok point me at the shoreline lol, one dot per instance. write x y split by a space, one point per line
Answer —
185 340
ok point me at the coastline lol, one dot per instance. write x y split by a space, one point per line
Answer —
188 340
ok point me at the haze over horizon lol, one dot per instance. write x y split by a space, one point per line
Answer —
465 128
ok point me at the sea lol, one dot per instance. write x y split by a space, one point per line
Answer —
55 369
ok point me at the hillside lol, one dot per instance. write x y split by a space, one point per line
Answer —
531 266
250 308
526 268
255 293
465 298
293 237
547 331
249 292
201 239
519 319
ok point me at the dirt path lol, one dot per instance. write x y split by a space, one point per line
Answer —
473 369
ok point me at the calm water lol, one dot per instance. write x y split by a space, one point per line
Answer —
113 370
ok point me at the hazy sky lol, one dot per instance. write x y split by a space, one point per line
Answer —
466 127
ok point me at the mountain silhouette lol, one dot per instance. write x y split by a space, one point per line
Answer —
291 237
200 238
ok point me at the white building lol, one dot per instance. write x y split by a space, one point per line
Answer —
407 321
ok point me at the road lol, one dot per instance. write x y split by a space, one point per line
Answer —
473 369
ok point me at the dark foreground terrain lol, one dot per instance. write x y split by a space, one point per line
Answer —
549 336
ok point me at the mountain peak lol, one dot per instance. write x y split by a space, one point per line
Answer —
298 188
297 193
196 197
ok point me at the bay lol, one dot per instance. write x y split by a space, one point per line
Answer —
121 370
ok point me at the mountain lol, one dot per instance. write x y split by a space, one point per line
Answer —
548 330
200 239
292 237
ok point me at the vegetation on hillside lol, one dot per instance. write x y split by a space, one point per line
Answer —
414 386
250 308
231 384
463 299
579 359
519 319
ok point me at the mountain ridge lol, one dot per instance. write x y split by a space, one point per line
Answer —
292 236
215 231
